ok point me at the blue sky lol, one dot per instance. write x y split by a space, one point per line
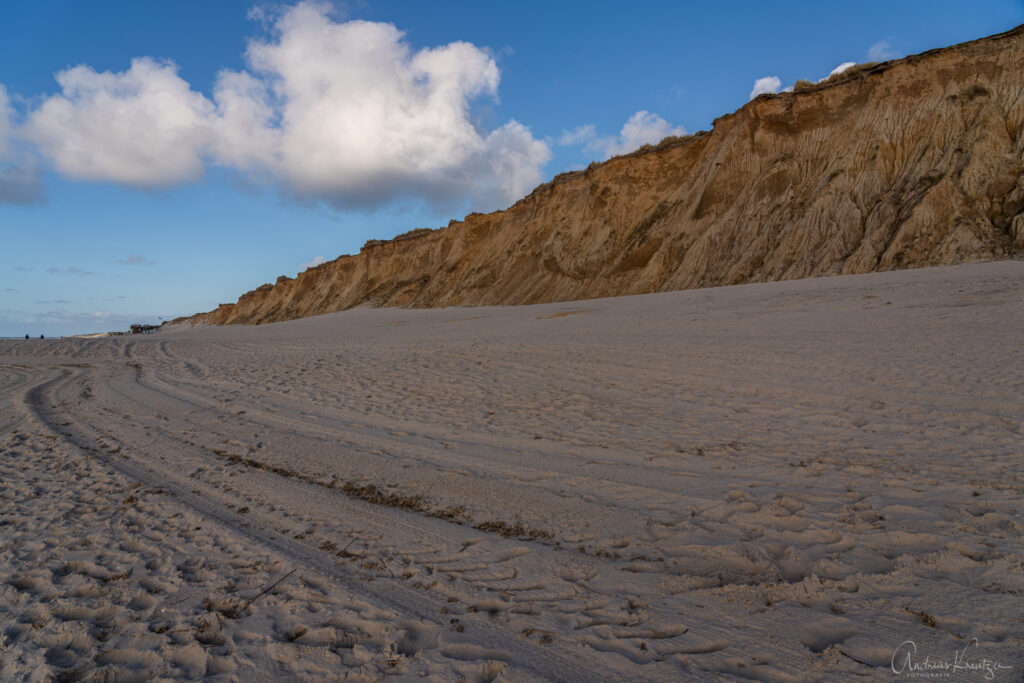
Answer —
157 159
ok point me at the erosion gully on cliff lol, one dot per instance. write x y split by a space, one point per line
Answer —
907 163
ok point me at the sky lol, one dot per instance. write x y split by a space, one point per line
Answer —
157 159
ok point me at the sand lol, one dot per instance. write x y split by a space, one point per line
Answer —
808 480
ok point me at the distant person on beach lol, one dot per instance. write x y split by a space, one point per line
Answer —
42 337
26 336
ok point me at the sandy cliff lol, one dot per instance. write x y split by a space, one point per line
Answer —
914 162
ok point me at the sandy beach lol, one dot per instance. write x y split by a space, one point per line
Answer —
795 481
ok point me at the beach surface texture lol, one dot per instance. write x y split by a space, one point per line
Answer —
792 481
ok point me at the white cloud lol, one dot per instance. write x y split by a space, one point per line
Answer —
766 85
838 70
578 135
880 51
641 129
345 112
244 135
510 167
318 260
144 127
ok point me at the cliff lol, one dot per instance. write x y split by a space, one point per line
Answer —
913 162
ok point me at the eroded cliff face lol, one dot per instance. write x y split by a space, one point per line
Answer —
914 162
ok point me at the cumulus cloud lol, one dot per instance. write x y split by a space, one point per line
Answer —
318 260
361 118
243 132
642 128
578 135
511 165
838 70
880 51
144 127
345 112
767 85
